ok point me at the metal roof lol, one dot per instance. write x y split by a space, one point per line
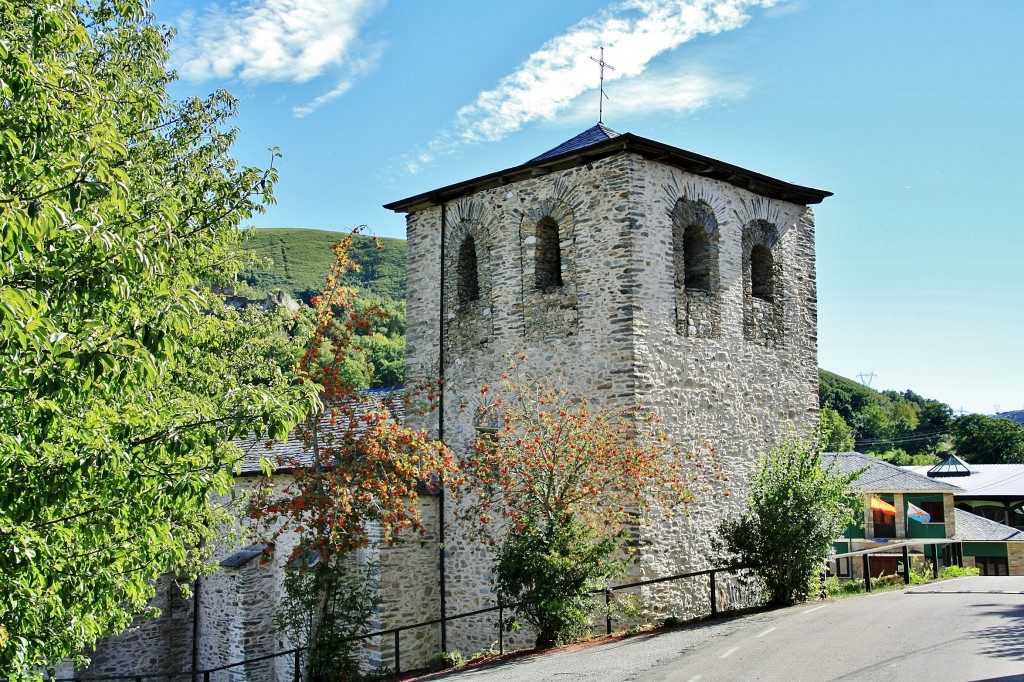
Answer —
988 481
973 528
882 477
570 154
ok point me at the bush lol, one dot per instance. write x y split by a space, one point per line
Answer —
835 588
446 660
957 572
795 511
549 572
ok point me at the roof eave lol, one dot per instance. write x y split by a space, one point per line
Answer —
626 142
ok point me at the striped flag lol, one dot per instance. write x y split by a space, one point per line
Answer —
917 514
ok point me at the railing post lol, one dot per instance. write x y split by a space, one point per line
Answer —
398 651
297 668
906 565
501 627
935 561
714 595
608 610
867 573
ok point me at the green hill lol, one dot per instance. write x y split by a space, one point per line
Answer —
297 260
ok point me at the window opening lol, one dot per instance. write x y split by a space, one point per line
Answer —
468 280
548 264
761 275
696 259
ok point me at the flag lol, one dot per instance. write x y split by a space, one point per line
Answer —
882 506
917 514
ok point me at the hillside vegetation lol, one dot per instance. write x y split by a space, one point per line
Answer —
296 261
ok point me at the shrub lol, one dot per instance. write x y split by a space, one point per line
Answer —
446 660
795 511
958 572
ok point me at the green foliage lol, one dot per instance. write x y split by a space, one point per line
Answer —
328 603
958 572
988 440
883 421
549 572
446 660
836 435
122 381
795 511
296 261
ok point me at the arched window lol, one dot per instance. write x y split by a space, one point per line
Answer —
468 280
548 264
762 284
697 259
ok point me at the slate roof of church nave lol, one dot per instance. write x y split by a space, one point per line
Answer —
294 450
599 142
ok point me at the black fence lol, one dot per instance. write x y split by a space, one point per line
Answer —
206 675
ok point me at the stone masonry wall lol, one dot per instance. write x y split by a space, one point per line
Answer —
611 332
237 607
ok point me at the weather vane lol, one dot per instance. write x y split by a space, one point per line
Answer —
601 96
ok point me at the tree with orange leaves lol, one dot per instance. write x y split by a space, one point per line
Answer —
356 480
553 483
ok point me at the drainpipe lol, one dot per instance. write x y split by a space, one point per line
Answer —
440 436
195 629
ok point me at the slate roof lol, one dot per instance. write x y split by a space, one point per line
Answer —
600 142
988 481
973 528
598 133
243 556
882 477
294 452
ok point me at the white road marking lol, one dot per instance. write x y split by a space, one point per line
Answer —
766 632
814 609
694 678
730 652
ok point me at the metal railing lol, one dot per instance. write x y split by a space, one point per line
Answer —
297 652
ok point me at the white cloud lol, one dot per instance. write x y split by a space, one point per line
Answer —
274 40
678 93
633 33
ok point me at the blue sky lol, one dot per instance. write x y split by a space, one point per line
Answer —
910 111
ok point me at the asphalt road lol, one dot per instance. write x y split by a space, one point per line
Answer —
964 629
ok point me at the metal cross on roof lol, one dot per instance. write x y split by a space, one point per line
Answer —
601 97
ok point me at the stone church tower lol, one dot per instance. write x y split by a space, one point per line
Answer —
631 271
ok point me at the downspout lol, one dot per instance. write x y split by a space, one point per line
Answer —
195 629
440 437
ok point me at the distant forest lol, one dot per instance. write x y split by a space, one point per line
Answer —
900 427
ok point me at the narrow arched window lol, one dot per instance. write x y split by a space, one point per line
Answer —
697 259
468 280
762 284
548 263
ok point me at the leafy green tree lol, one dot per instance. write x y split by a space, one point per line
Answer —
122 383
836 434
988 440
795 511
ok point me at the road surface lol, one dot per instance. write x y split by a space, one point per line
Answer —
964 629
